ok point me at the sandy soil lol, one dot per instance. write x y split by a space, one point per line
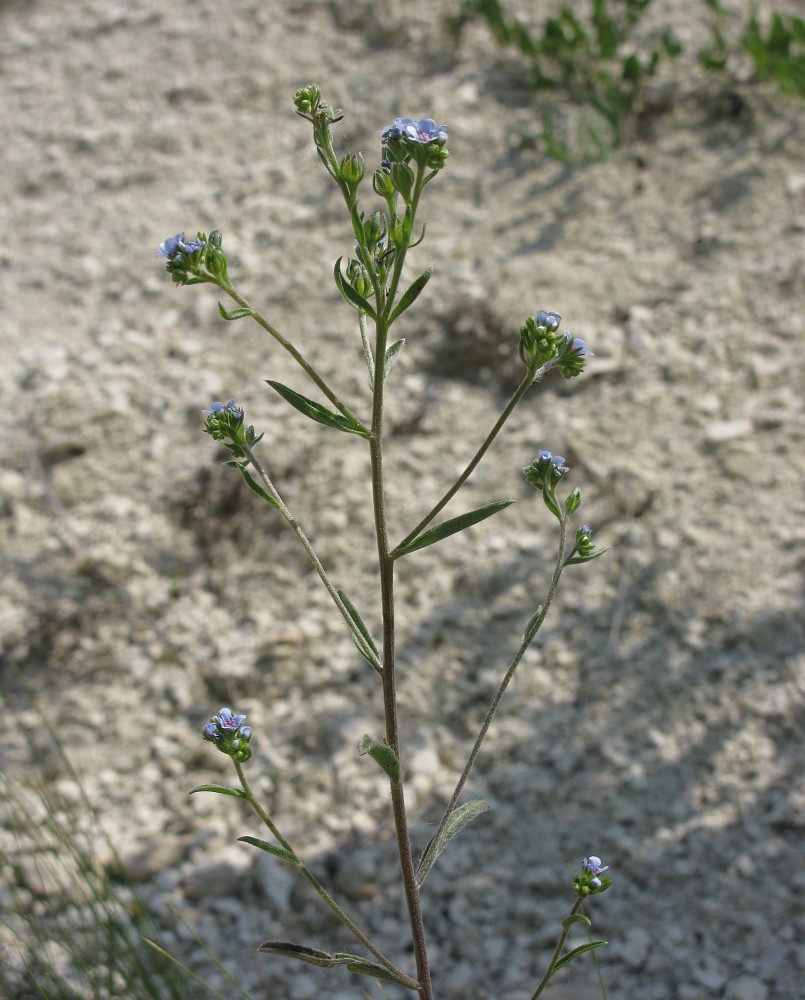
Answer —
658 723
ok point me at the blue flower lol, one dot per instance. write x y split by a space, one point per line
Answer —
593 865
230 408
550 320
170 246
424 131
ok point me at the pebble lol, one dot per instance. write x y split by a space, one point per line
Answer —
747 988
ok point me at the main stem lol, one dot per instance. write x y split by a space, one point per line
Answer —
386 568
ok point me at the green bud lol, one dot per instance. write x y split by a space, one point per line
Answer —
307 100
352 169
402 179
382 183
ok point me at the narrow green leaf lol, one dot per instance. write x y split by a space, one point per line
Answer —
411 293
391 357
275 849
366 968
447 528
316 411
233 313
258 489
582 948
576 918
383 754
458 819
360 624
313 956
221 789
325 960
574 560
355 299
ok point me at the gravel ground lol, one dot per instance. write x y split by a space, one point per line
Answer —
657 722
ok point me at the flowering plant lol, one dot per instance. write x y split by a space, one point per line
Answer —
413 153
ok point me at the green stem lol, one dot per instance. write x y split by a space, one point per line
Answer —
557 951
465 475
311 554
309 370
528 638
345 919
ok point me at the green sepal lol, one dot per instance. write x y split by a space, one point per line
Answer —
391 357
233 313
447 528
255 487
411 293
581 950
325 960
574 560
355 299
383 754
456 822
221 789
317 412
368 648
275 849
573 502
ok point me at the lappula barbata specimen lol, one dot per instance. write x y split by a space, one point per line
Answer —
413 152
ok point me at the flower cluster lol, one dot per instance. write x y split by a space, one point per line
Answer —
541 344
190 262
421 140
424 131
589 881
227 732
546 472
225 422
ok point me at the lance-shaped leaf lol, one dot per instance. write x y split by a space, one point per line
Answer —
355 299
326 960
317 412
253 485
233 313
368 648
275 849
391 357
383 754
456 822
411 294
221 789
447 528
582 948
574 560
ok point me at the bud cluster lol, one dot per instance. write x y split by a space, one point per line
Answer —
225 422
588 882
227 732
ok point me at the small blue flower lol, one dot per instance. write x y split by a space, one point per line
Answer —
231 408
593 865
228 721
176 245
550 320
170 247
424 131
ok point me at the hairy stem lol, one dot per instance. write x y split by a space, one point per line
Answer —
311 554
309 370
386 569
